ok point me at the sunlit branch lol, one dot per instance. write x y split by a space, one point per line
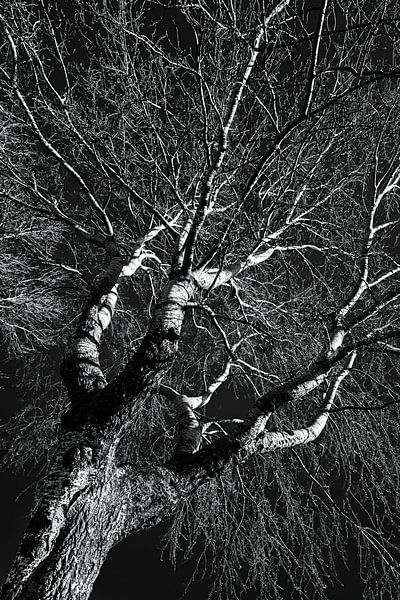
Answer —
212 278
179 249
309 95
107 169
80 368
248 434
190 425
389 348
153 47
377 407
57 214
294 123
139 252
362 281
207 309
387 299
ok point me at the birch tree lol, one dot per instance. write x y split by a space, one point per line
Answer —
200 208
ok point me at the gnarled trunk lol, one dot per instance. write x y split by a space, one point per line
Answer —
79 521
89 502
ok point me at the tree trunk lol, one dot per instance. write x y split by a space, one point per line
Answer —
89 502
75 527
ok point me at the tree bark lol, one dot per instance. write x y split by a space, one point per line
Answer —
89 502
78 522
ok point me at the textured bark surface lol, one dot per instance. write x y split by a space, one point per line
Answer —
89 502
77 523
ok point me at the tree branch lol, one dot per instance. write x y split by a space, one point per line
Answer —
80 368
272 440
100 211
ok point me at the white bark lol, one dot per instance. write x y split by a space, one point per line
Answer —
190 428
272 440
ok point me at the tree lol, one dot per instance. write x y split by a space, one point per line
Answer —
219 180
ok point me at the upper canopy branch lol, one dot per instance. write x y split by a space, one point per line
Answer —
364 283
99 210
70 123
235 97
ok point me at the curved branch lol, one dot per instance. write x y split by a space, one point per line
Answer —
80 368
273 440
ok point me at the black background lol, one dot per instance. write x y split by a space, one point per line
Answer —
135 568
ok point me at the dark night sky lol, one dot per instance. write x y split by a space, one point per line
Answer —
132 569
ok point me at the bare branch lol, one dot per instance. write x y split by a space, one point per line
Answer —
273 440
98 209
